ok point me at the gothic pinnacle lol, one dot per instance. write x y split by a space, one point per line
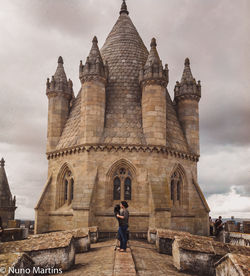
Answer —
187 62
95 40
60 60
2 162
153 43
124 8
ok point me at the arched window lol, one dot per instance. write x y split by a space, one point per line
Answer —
72 189
117 188
122 182
127 189
65 187
176 186
172 189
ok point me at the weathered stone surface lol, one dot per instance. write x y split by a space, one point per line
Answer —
124 264
98 261
16 264
94 234
149 262
46 250
11 234
233 265
200 255
81 239
246 227
238 238
151 235
165 239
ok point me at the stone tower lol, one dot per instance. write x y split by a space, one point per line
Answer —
7 203
59 92
187 95
122 138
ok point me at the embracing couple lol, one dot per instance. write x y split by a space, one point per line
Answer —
122 215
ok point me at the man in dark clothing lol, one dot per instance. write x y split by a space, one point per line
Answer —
124 216
218 226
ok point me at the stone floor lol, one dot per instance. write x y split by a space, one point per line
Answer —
103 260
149 262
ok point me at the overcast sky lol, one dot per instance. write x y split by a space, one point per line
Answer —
214 34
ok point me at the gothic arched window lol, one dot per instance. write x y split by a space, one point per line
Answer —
172 189
66 188
127 189
117 188
176 186
72 189
122 182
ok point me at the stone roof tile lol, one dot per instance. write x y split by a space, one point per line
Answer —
125 54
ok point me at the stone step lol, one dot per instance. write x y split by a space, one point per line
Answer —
124 264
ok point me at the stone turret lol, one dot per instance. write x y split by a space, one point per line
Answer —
59 92
93 76
7 202
187 97
154 80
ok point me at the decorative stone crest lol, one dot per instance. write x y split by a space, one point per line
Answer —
153 72
59 82
188 88
94 68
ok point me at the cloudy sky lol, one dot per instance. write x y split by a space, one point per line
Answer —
214 34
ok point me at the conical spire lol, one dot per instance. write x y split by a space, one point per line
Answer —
188 85
59 82
187 74
153 68
94 65
124 8
5 194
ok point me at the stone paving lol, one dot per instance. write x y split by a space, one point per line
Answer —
103 260
149 262
99 261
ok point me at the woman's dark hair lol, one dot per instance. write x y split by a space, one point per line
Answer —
117 209
125 204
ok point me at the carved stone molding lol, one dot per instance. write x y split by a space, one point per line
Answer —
123 148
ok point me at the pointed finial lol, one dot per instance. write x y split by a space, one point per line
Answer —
60 60
95 40
124 8
187 62
2 162
153 43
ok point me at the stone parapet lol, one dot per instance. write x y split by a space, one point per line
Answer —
46 250
200 255
81 239
94 234
16 264
238 238
233 265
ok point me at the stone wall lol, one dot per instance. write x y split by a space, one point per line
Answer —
150 205
238 238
